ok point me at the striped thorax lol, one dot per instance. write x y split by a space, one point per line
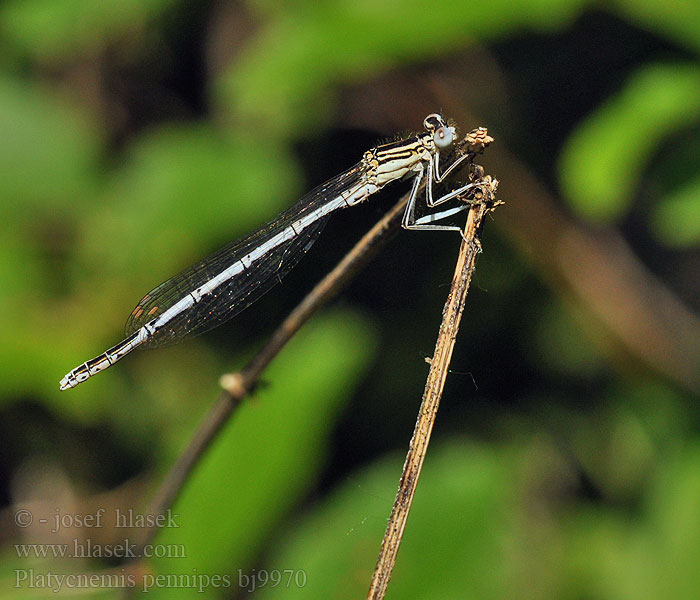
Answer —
396 160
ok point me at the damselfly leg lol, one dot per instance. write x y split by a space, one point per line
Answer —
429 222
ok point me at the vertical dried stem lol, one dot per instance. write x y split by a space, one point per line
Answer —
439 365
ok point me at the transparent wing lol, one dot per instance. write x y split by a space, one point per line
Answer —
244 288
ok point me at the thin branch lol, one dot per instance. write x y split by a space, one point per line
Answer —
439 365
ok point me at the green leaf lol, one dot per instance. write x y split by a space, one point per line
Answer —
48 152
268 453
676 19
676 218
653 555
57 30
453 541
603 160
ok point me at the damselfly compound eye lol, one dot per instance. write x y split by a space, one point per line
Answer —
444 137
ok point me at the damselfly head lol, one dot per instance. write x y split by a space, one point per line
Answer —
443 135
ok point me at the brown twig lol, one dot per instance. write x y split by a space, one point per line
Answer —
439 365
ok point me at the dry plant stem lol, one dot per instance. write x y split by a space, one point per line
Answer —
451 316
238 385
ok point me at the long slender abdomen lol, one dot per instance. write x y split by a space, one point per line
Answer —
104 360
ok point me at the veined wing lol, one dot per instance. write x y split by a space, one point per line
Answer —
220 286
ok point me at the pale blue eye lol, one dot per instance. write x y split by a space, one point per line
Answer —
444 137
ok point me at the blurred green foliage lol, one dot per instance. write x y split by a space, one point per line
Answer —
303 49
248 483
577 478
71 27
605 158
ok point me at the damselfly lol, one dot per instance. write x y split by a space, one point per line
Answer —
216 289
